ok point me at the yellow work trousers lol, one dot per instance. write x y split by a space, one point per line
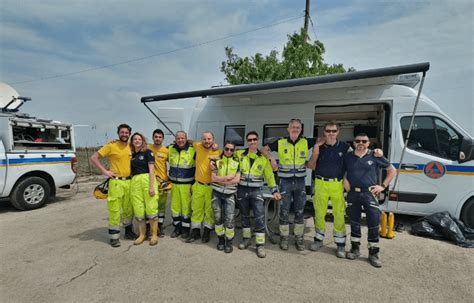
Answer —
181 200
144 204
201 206
119 205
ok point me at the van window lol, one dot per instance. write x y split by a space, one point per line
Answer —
433 136
235 134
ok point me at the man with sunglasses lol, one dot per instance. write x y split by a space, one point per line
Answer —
361 184
293 152
225 177
254 168
328 162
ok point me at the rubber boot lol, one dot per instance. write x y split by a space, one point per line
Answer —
185 232
154 232
142 230
176 232
354 252
228 246
283 243
391 226
261 251
374 257
383 224
299 243
161 232
115 242
221 243
129 234
206 235
316 245
341 251
195 235
245 243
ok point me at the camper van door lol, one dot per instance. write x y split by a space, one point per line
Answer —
430 176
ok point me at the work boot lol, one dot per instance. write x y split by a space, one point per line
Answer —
154 233
221 243
261 251
299 242
228 246
354 252
129 234
176 232
115 242
316 245
142 230
161 232
195 235
374 257
148 231
245 243
185 232
341 251
283 243
206 235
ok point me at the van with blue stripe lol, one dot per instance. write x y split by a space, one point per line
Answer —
37 156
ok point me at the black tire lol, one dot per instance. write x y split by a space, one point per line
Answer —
30 193
467 213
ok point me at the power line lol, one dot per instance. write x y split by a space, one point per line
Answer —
157 54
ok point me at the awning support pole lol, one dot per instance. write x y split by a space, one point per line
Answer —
161 121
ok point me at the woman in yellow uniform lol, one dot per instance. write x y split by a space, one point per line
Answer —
143 188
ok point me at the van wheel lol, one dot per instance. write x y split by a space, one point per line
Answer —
30 193
467 214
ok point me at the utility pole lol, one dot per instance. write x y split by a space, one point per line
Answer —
306 20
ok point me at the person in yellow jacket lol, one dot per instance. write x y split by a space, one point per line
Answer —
254 169
225 177
201 207
161 173
143 188
182 168
118 201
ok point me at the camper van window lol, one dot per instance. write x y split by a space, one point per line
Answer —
272 132
235 134
433 136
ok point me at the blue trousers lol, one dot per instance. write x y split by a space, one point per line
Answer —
252 198
356 201
293 190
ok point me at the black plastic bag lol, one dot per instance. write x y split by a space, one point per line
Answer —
444 226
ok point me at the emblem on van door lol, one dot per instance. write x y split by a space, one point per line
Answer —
434 170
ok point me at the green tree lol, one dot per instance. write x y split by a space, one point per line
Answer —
299 59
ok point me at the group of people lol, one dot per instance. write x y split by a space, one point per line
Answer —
207 183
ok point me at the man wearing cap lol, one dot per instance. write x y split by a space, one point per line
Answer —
119 155
361 184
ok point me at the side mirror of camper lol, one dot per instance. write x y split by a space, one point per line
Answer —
466 153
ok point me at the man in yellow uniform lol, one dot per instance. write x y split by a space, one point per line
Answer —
254 168
161 157
119 155
182 161
202 213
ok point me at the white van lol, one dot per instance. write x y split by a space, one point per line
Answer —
36 155
437 169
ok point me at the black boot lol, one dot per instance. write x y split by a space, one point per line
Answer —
115 242
221 243
374 257
129 234
195 235
161 232
185 234
354 252
177 231
206 235
228 246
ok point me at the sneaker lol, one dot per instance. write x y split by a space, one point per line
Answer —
299 242
245 243
341 251
261 251
284 243
316 245
115 242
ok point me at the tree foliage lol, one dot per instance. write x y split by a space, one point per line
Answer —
299 59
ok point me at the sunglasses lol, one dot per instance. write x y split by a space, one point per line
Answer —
228 149
361 141
252 139
331 131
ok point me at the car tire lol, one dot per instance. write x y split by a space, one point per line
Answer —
30 193
467 213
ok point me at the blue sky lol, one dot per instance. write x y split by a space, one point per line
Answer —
40 39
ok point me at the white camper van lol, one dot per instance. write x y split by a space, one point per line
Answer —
36 155
435 166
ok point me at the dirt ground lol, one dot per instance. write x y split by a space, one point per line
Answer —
60 253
